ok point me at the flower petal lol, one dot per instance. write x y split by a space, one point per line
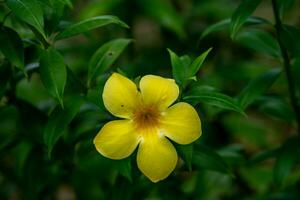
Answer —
120 96
117 139
156 157
181 123
158 91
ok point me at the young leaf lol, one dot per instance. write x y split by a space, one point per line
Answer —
257 87
105 56
215 99
53 73
12 47
206 158
90 24
28 11
197 63
178 69
260 41
239 17
58 121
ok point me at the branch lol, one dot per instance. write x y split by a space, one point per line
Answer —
286 64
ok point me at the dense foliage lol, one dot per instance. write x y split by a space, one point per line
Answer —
237 62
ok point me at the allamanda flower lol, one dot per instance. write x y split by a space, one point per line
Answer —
149 120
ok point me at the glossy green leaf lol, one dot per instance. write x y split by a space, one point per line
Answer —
28 11
260 41
206 158
213 98
53 73
178 69
59 120
105 56
197 63
239 17
89 24
257 87
12 47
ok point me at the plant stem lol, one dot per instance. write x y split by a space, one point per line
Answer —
286 64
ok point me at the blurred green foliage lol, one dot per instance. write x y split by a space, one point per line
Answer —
239 70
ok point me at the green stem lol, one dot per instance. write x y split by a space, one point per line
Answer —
286 64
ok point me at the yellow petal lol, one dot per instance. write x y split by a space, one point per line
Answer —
158 91
156 157
120 96
181 123
117 139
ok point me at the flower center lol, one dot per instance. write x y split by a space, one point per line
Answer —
147 117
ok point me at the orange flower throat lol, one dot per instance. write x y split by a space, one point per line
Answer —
146 117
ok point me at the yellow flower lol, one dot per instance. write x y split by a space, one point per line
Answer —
149 121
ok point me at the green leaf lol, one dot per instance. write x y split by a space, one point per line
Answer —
215 99
90 24
257 87
59 120
12 47
53 73
290 38
224 24
178 69
206 158
288 154
276 107
21 153
65 2
28 11
105 56
5 75
260 41
285 5
165 13
239 17
186 60
186 151
221 25
264 155
197 63
124 168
